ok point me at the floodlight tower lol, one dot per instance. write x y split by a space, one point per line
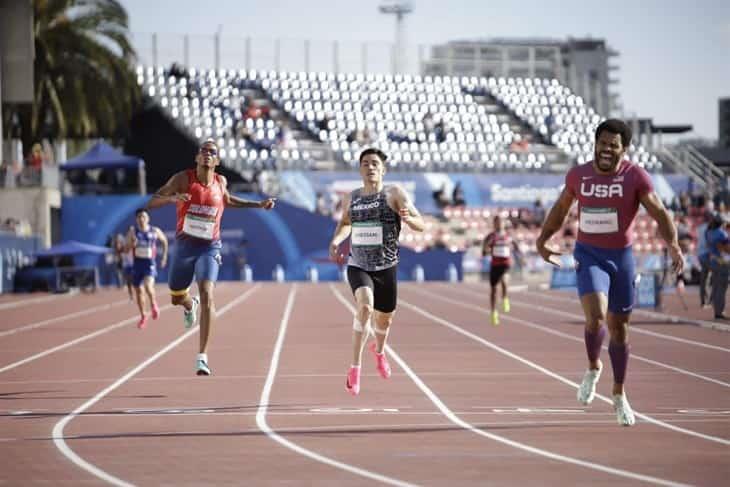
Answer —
400 9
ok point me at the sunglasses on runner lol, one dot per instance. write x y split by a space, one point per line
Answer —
204 151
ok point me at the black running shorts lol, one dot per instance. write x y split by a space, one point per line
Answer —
384 285
496 272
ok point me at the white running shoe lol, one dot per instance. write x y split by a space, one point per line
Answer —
189 317
201 367
587 389
624 413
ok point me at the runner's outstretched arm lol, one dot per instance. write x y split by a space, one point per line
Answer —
236 202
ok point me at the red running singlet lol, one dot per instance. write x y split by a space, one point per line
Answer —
200 217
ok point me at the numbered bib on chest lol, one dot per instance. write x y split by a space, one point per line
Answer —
143 252
598 220
198 227
500 250
367 234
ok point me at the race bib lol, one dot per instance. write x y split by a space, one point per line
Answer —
598 220
198 227
143 252
500 251
367 234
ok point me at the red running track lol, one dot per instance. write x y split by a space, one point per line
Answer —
87 398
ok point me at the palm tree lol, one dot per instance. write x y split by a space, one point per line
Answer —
84 82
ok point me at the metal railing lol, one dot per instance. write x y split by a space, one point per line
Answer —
688 160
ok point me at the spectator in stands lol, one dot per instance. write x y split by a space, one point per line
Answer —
718 241
685 203
550 125
324 122
440 130
440 197
605 266
285 138
538 213
457 195
684 231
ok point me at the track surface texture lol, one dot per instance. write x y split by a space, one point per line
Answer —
88 399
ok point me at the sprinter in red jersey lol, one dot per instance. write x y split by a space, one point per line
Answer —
500 247
201 195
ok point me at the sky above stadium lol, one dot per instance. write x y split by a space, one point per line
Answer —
674 61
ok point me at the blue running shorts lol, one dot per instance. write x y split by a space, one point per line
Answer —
191 258
142 268
607 271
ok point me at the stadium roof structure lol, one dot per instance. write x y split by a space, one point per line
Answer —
670 129
104 156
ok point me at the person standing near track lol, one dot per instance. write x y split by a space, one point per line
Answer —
372 217
499 245
609 191
718 241
201 195
142 242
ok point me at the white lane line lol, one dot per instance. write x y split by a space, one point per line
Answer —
634 329
42 299
264 405
57 319
576 339
75 341
57 434
529 373
545 371
501 439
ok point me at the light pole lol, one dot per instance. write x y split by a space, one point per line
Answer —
400 10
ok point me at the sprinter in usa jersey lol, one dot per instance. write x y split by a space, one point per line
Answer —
609 190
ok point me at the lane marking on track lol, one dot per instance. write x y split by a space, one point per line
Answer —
42 299
544 370
454 418
545 329
75 341
264 405
57 434
65 317
634 329
223 378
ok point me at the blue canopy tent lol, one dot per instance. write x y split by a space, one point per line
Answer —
104 156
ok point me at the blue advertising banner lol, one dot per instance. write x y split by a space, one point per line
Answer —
288 236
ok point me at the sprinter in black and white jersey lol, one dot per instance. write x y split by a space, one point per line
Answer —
372 218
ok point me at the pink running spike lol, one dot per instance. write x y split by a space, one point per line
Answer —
381 361
155 311
353 381
142 322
